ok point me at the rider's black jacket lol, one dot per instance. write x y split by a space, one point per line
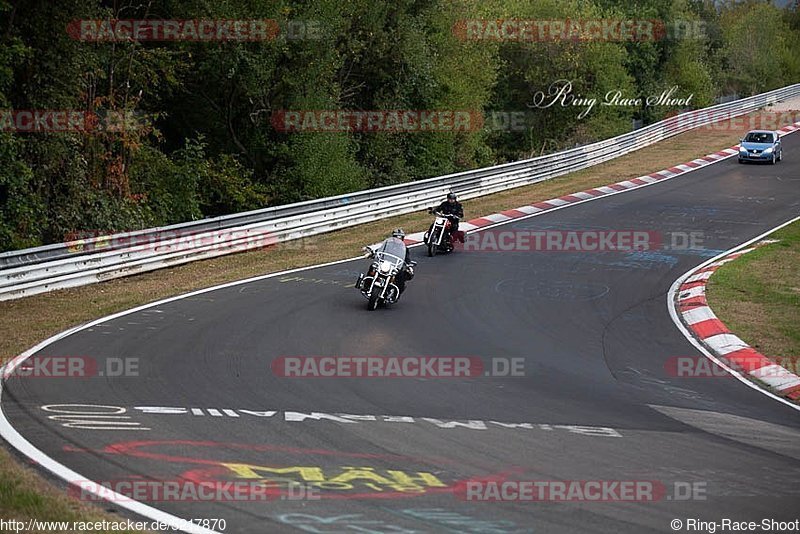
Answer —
451 209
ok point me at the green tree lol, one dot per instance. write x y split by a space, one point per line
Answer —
756 61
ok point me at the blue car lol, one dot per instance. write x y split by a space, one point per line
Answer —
761 145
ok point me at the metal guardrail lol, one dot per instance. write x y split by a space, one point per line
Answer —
61 265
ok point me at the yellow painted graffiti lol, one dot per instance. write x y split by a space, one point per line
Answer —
346 478
322 281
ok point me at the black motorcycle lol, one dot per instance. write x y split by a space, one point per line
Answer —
439 238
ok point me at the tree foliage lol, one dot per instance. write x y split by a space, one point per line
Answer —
199 142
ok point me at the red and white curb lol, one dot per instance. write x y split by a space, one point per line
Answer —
698 317
591 194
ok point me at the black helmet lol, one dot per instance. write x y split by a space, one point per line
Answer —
451 196
398 233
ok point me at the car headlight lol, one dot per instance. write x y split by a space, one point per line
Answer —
742 149
385 267
768 150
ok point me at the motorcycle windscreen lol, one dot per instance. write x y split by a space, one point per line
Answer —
394 248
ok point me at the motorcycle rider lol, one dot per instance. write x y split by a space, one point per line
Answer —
395 246
452 206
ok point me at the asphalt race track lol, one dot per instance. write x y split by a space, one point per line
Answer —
598 401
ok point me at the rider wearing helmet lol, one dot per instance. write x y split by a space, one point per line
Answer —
452 206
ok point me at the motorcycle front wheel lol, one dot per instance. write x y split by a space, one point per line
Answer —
372 304
433 238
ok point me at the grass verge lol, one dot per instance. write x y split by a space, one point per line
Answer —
25 494
757 296
25 322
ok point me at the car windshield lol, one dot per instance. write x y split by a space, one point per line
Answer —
758 137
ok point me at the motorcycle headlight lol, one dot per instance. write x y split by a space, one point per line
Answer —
385 267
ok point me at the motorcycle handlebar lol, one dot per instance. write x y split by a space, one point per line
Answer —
446 215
